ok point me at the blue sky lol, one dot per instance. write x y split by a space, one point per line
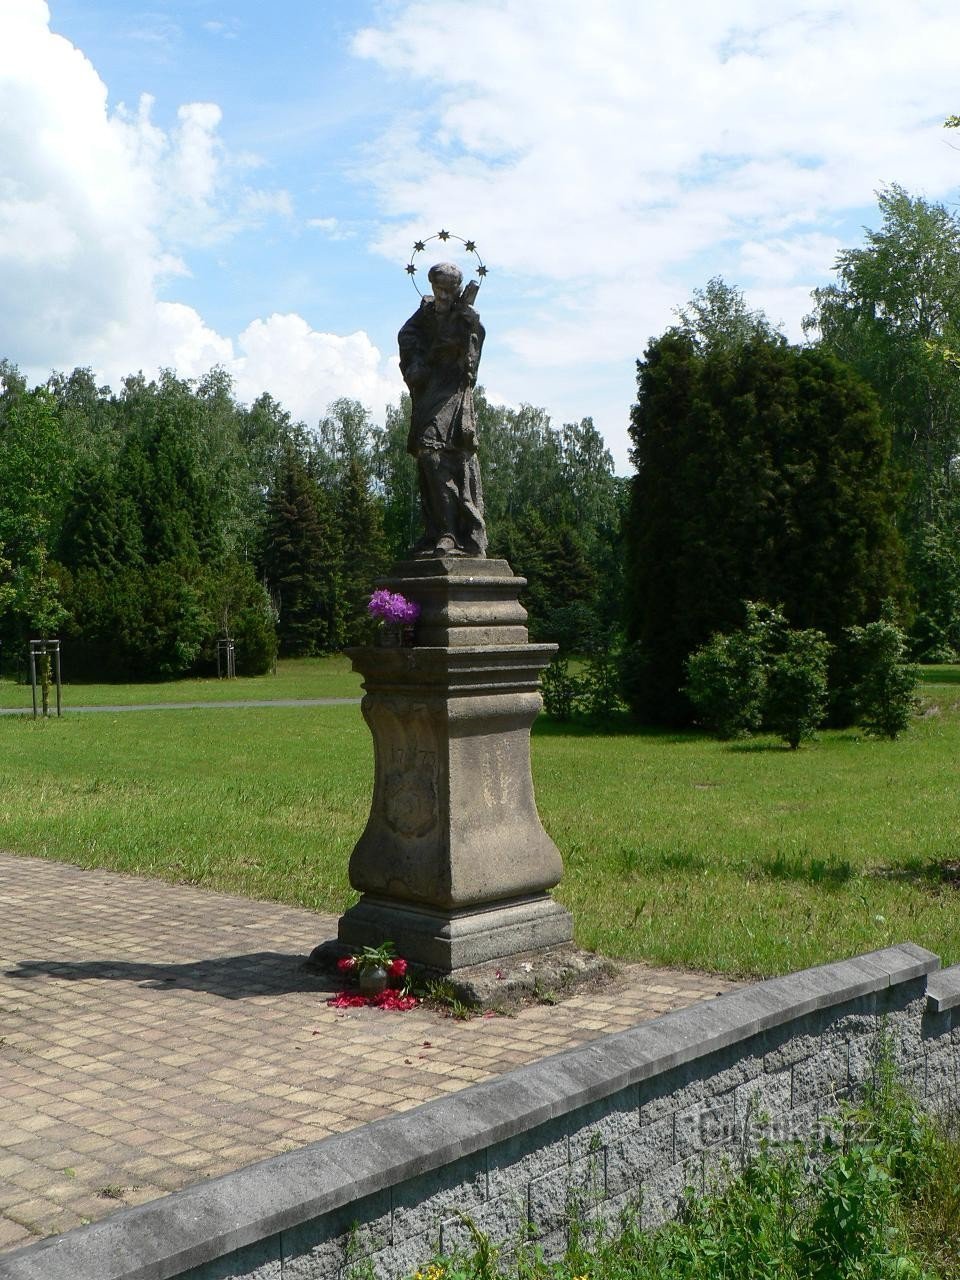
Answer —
189 182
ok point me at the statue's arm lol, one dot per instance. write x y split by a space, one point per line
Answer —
411 341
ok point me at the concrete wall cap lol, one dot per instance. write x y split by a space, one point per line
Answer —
164 1237
943 990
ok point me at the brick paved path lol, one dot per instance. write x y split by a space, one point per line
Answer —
152 1035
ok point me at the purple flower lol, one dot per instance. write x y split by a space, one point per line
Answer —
389 606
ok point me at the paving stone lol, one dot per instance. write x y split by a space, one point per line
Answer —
133 1080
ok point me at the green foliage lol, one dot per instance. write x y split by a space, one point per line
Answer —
894 315
600 683
394 475
762 471
103 496
717 318
726 683
560 690
885 684
763 675
594 693
35 466
796 697
241 605
363 553
553 509
301 559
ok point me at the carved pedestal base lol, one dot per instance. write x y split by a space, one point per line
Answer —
452 940
454 865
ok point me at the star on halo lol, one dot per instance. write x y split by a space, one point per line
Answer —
443 235
419 247
411 269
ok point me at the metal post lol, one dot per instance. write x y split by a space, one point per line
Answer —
59 694
44 649
226 659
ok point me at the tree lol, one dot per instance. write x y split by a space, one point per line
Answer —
300 559
394 476
762 471
717 318
363 549
894 315
797 686
35 471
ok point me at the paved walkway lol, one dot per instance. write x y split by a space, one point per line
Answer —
152 1035
191 706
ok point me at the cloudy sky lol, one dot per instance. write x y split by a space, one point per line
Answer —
194 182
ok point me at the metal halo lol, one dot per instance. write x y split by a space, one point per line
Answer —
420 245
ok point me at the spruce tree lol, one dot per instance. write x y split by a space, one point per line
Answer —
301 558
363 549
762 472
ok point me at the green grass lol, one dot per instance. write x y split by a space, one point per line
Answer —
744 858
295 678
264 802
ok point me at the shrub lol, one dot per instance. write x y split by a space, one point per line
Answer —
255 635
762 676
884 684
726 682
559 690
598 693
796 694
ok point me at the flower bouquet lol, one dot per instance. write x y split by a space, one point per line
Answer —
379 971
397 615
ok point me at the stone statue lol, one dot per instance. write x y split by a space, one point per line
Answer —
440 349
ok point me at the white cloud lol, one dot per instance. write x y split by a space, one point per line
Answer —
333 227
306 370
99 209
610 151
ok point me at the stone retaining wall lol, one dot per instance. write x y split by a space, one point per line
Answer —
632 1117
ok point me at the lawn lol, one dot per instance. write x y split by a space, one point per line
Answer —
294 678
744 858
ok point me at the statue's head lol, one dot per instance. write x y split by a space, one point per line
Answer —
446 279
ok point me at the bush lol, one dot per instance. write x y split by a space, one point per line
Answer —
255 637
559 689
796 696
726 682
885 684
599 686
762 676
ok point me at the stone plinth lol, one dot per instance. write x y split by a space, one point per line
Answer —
465 602
454 865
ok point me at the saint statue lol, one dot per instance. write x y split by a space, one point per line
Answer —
440 349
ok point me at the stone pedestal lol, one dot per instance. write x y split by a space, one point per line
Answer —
454 865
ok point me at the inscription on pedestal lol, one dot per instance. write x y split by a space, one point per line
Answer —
410 792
